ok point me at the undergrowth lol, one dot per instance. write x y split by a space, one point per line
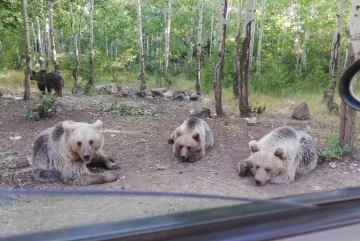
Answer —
332 150
47 106
123 109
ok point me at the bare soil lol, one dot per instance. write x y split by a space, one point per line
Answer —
139 144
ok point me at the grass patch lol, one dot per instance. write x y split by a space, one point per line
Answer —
332 150
122 109
47 106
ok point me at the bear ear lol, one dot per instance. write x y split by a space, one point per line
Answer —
254 146
98 124
68 127
281 153
196 137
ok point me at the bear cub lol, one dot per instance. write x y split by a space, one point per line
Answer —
279 155
191 139
49 81
62 153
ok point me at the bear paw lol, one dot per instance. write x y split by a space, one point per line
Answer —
244 168
113 166
193 157
111 177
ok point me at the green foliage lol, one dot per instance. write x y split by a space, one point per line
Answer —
46 107
123 109
332 150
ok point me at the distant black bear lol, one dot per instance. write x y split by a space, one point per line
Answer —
49 81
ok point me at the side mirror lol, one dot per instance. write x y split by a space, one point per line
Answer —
349 87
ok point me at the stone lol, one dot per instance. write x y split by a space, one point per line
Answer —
194 96
179 97
204 114
140 94
252 121
7 96
158 91
301 112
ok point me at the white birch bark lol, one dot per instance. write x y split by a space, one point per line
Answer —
244 107
220 62
27 71
259 48
52 38
76 50
198 45
167 43
91 48
141 47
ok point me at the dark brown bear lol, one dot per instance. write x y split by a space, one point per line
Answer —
49 81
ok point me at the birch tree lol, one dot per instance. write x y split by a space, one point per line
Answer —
237 53
258 54
91 48
141 47
27 51
198 51
167 44
245 61
41 43
348 114
220 62
334 60
52 38
76 50
253 24
211 34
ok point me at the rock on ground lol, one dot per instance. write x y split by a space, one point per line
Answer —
301 112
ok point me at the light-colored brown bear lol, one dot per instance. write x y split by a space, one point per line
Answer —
191 139
62 153
279 156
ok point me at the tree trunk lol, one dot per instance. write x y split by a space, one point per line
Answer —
76 51
304 50
52 38
41 45
253 27
211 34
334 61
27 51
258 54
198 52
220 62
47 44
141 47
237 53
91 49
167 45
245 62
348 115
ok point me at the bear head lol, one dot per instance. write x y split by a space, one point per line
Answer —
83 140
186 144
266 163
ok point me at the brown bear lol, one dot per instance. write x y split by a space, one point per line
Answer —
49 81
279 155
191 139
62 153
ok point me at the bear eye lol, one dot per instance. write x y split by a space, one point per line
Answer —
257 166
267 169
189 147
91 142
79 143
181 146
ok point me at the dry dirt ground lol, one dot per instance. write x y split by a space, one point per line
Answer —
139 144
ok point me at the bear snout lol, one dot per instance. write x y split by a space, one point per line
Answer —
87 158
259 183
